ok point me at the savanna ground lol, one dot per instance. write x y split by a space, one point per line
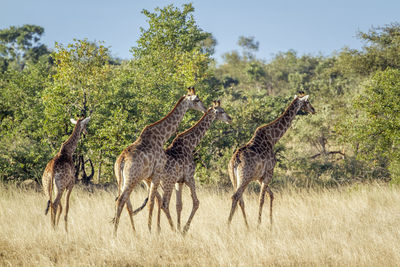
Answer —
350 226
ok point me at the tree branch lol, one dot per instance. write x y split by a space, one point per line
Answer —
329 153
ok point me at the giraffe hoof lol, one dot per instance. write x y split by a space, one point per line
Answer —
185 230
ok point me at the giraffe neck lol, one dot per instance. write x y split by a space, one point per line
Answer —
163 129
192 137
273 131
69 146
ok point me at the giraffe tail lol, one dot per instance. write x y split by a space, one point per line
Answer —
48 180
136 211
118 166
47 208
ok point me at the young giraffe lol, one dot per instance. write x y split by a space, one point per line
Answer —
256 160
180 166
60 174
146 157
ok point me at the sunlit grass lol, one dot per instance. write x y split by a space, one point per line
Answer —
355 226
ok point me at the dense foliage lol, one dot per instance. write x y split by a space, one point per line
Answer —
354 136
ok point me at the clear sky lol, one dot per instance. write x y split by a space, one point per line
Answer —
306 26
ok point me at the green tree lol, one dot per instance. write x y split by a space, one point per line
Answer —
21 44
80 87
23 147
377 130
170 55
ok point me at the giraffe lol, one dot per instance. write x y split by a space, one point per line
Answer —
60 174
146 157
256 159
180 166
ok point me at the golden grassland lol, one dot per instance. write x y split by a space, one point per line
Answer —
349 226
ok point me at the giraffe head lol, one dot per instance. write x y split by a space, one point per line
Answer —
82 123
305 105
194 101
220 112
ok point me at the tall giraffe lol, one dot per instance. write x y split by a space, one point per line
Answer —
256 159
146 157
60 174
180 166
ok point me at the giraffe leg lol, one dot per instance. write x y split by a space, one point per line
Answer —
59 211
271 199
122 199
241 204
236 197
153 189
195 201
67 207
159 203
165 203
261 201
264 188
130 212
147 182
56 203
178 191
158 197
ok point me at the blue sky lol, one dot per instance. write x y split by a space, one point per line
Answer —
307 26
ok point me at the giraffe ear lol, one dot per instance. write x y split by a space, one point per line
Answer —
295 96
73 121
86 120
219 102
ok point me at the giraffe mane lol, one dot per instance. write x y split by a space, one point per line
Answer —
188 130
280 116
166 116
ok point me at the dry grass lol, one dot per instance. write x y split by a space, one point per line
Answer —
353 226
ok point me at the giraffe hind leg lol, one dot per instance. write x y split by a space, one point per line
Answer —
59 211
67 207
242 207
56 203
130 212
178 191
122 199
236 197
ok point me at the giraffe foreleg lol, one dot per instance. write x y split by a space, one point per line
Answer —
265 188
195 203
153 189
261 200
159 203
165 203
271 199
